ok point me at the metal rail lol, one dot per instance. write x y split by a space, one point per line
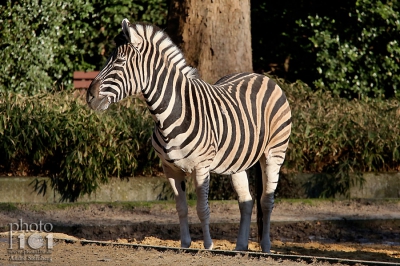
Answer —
308 259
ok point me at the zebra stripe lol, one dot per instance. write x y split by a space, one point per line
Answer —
200 128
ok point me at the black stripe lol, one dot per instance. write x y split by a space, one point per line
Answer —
281 127
281 143
176 112
252 128
270 90
192 135
242 140
164 75
278 104
218 99
165 101
224 138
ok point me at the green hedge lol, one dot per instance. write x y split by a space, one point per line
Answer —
43 42
329 130
339 139
58 136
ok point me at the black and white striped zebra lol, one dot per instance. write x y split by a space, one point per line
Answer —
200 128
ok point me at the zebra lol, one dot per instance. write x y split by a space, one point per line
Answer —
200 128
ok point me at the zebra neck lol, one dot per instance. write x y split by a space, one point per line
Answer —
165 98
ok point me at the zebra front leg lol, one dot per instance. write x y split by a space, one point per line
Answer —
202 183
177 181
241 185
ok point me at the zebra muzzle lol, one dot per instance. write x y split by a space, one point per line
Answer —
94 99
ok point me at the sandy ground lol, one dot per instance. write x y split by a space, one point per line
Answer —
362 230
76 254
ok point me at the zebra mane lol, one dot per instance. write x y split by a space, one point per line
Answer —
161 41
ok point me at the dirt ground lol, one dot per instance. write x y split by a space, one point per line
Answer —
356 229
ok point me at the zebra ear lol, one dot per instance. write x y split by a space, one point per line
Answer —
130 34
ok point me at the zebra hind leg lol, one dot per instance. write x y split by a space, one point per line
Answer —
270 166
177 181
202 183
240 184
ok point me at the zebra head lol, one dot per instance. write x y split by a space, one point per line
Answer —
121 76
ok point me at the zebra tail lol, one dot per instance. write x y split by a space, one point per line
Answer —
259 189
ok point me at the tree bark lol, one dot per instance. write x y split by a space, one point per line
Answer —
214 35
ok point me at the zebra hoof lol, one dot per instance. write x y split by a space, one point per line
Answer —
186 244
238 248
210 247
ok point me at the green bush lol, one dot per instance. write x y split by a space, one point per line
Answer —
105 23
58 136
38 43
338 139
362 59
329 130
347 47
43 42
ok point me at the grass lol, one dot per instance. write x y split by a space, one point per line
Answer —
148 205
86 205
125 206
8 207
310 202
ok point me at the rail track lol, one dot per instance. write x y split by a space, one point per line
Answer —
308 259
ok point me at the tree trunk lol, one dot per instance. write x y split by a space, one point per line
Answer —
214 35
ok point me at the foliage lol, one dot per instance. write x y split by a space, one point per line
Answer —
57 136
79 149
336 181
43 42
38 43
104 24
8 207
328 130
360 60
347 47
337 138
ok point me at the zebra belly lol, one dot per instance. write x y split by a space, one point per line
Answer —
186 159
225 166
188 164
192 162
